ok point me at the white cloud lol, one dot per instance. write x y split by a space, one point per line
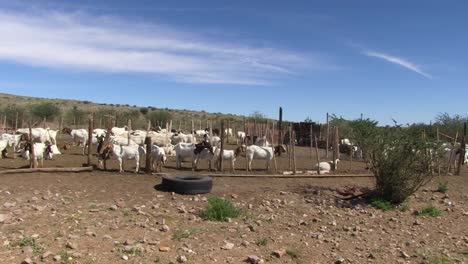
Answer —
84 42
399 61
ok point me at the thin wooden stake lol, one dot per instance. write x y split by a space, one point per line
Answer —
221 152
32 154
148 149
328 135
294 152
317 156
90 140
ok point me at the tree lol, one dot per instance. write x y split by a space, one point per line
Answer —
75 116
144 110
47 111
308 120
258 116
159 117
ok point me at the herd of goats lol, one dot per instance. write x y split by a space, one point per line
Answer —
121 144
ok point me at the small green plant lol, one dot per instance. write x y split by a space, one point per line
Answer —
381 204
443 187
219 210
262 242
292 253
431 211
134 251
66 258
29 242
439 260
404 208
179 235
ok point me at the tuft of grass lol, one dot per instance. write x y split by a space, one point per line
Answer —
134 251
431 211
29 242
292 253
404 208
179 235
381 204
66 258
439 260
443 187
262 242
219 210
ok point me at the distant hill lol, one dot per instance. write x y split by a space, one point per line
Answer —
72 109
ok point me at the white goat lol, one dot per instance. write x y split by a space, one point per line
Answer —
158 158
185 151
121 153
41 152
326 166
256 152
240 136
228 156
118 131
14 140
182 138
3 145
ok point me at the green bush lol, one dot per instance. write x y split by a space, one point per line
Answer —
431 211
46 111
443 187
382 204
219 210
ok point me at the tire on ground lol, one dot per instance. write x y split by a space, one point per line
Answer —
188 184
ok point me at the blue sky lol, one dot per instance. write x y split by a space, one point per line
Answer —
386 59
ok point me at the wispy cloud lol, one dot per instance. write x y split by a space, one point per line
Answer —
399 61
85 42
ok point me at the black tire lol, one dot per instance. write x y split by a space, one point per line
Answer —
187 184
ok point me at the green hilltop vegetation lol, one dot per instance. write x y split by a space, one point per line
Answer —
75 113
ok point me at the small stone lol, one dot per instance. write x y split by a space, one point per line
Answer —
404 255
107 237
129 242
46 255
182 259
164 249
90 233
228 246
120 203
9 204
245 243
113 207
417 222
253 259
27 250
71 245
3 217
279 253
27 261
340 261
125 257
234 196
164 228
57 258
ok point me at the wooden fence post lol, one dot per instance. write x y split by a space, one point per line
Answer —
221 152
90 140
461 157
148 149
273 143
317 154
32 154
328 136
290 148
294 151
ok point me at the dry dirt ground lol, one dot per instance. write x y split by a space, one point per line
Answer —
106 217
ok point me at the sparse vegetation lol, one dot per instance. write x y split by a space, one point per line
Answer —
382 204
219 210
47 111
184 234
29 242
66 258
431 211
262 242
443 187
294 254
